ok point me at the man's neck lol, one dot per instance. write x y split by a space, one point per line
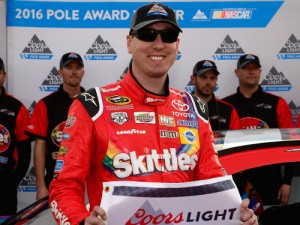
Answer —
155 85
247 92
204 98
72 91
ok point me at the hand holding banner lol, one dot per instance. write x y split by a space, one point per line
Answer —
213 202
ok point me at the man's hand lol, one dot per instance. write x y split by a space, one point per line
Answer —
248 217
284 193
42 192
97 217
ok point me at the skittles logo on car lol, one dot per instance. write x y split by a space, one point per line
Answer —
57 134
4 138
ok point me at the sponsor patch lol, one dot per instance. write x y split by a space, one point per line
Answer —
188 135
144 117
168 134
167 120
119 117
70 121
118 100
57 133
58 166
4 138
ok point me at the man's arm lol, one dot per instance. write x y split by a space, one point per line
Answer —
24 156
39 167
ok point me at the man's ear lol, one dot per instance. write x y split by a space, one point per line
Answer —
193 77
236 72
60 72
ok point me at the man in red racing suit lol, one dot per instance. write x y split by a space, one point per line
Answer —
121 132
176 143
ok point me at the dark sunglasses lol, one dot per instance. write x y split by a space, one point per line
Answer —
149 35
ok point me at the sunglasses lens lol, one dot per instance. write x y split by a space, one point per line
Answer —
148 35
169 36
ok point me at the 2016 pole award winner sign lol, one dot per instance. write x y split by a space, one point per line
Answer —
212 202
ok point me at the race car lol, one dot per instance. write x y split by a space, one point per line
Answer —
238 150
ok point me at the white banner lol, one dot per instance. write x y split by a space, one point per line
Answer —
213 202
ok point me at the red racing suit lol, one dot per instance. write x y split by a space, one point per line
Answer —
122 132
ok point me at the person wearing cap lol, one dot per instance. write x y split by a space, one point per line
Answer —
49 118
15 148
222 115
129 130
257 110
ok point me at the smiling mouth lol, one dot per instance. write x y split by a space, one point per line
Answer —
156 58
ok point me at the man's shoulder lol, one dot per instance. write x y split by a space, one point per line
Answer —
13 100
201 106
224 103
90 99
50 96
229 98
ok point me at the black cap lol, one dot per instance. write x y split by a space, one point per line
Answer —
204 65
68 57
2 67
152 13
244 59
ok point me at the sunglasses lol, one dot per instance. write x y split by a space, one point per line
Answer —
149 35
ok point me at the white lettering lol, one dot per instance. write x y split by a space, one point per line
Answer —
131 164
106 15
59 215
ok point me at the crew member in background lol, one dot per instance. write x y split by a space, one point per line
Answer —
257 110
49 118
15 148
222 115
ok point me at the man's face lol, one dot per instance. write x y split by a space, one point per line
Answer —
2 77
249 74
154 58
72 73
205 83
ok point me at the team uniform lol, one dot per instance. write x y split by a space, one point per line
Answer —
264 110
130 135
47 122
222 115
15 150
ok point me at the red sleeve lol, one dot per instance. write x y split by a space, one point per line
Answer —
284 115
39 121
235 123
66 193
21 124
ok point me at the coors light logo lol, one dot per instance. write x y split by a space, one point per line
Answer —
52 82
228 50
291 49
36 49
275 81
100 50
28 184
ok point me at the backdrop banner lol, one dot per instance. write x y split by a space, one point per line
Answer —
40 32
